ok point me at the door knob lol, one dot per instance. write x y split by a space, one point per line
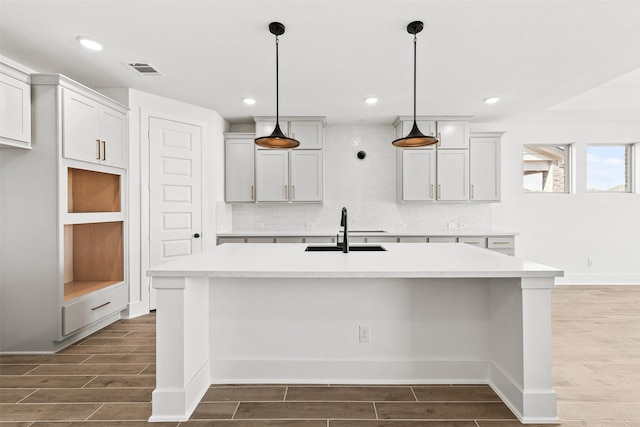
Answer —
197 235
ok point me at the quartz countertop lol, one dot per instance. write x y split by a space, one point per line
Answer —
406 260
371 232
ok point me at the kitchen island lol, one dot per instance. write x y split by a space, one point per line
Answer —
413 314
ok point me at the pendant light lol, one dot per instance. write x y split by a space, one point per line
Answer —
415 138
277 139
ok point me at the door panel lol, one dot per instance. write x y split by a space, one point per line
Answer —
175 193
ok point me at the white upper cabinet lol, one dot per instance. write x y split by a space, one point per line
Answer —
289 176
272 175
452 134
15 108
453 175
484 168
427 127
306 176
91 131
239 167
308 130
416 175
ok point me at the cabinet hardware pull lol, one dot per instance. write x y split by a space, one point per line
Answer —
293 135
253 193
286 192
472 192
104 150
439 139
101 305
97 149
431 191
501 243
439 191
293 188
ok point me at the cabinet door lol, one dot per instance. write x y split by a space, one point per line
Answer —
15 111
427 127
113 136
453 176
306 176
452 134
418 175
239 170
80 128
272 175
308 133
484 169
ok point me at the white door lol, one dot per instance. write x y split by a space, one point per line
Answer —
175 191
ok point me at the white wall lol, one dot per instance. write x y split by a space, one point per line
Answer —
565 230
366 187
142 105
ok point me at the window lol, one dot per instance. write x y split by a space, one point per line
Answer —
609 168
545 168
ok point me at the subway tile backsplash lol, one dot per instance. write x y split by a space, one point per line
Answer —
366 187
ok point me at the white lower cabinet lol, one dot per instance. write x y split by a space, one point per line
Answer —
453 175
289 176
480 242
85 311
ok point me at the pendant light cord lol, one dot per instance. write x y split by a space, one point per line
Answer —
415 38
277 86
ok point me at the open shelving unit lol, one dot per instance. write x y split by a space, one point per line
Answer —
93 232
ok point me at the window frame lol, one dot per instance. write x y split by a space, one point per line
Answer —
569 178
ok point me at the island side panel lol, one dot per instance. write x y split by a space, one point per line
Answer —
182 343
520 369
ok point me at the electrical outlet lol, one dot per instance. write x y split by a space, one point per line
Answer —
463 225
364 333
589 262
452 225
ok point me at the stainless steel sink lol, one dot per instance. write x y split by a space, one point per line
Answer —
352 248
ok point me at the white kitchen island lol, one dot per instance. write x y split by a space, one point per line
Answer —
435 314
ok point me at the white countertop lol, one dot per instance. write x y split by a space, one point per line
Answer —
402 260
370 232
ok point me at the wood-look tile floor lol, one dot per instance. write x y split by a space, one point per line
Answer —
107 380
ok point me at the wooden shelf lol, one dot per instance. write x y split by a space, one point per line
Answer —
79 288
91 191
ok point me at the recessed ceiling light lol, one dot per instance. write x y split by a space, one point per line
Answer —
492 100
249 101
89 43
371 100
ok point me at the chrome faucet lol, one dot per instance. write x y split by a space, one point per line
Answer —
345 231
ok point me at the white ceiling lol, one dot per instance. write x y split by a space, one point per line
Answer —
547 60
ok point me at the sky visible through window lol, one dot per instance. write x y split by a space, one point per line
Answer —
606 168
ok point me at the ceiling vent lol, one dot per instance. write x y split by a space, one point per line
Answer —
144 68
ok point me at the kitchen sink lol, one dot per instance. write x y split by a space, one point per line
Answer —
352 248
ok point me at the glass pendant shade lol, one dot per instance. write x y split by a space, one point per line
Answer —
415 138
277 139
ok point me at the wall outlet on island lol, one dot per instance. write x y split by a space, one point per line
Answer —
364 333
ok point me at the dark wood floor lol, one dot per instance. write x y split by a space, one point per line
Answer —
107 380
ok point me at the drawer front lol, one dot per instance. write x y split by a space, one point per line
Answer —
382 239
443 239
319 239
480 242
412 239
505 242
260 239
510 252
222 240
84 312
288 239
